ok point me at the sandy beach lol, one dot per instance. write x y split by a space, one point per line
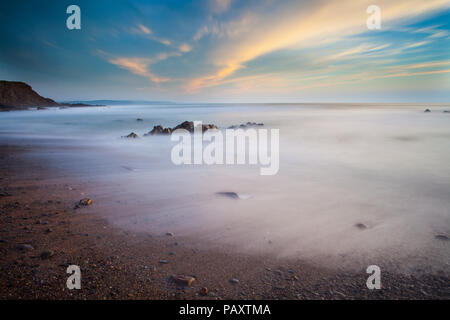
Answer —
37 208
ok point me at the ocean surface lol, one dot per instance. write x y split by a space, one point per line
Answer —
384 166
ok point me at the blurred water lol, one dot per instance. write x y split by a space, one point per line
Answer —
386 166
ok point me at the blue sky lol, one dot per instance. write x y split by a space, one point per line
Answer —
230 50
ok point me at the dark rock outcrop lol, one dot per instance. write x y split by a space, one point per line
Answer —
20 95
131 136
186 125
228 194
189 126
246 125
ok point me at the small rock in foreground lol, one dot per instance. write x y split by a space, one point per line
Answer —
232 195
361 226
441 237
183 280
234 281
84 203
24 247
47 254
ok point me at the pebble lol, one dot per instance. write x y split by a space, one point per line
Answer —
83 203
361 226
234 280
24 247
183 280
162 261
47 254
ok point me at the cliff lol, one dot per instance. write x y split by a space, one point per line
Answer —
17 95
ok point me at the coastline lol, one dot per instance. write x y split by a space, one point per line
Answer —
37 208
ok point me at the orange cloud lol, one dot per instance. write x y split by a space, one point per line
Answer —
296 24
138 66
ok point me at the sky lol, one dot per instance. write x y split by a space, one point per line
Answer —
230 50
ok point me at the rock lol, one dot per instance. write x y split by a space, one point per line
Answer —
156 130
16 95
427 110
234 281
204 291
48 230
228 194
171 253
189 126
47 254
446 111
83 203
163 261
361 226
131 136
246 125
206 127
183 280
139 119
441 237
170 234
186 125
24 247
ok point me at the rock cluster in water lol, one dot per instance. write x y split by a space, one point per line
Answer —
246 125
131 136
187 125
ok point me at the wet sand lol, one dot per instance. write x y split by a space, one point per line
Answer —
37 208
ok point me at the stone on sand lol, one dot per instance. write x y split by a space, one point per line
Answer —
47 254
228 194
441 237
183 280
24 247
84 203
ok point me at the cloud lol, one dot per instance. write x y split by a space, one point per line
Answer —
220 6
141 29
363 48
148 33
144 29
295 24
185 47
439 34
139 67
416 44
165 41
